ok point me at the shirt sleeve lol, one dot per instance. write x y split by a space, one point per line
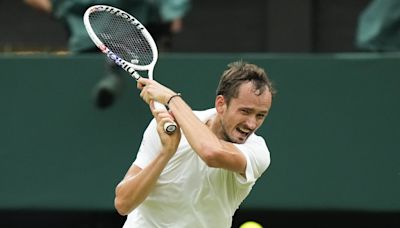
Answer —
257 159
149 146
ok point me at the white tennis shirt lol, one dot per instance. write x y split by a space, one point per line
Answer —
188 193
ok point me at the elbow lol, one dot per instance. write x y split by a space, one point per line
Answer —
121 207
120 203
211 157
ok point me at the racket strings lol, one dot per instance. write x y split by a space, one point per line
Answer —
122 38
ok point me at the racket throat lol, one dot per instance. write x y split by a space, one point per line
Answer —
123 64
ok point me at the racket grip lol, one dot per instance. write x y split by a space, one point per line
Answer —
169 127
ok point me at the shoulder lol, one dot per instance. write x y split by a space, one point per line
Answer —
257 154
205 115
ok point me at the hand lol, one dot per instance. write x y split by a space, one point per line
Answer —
176 26
169 142
152 90
43 5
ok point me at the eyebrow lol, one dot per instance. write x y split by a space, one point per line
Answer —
262 111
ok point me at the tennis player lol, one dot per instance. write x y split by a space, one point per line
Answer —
199 175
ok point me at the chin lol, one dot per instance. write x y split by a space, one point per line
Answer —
241 141
234 139
238 140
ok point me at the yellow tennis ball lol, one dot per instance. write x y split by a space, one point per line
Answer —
251 224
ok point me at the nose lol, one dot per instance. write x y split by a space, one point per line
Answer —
251 123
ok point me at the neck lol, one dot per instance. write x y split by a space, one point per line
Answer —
214 125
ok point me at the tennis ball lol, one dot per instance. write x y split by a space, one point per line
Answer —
251 224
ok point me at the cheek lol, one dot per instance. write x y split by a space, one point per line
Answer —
230 120
260 122
236 119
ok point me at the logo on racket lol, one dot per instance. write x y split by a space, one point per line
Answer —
122 14
117 60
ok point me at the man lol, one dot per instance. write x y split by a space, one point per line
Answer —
199 175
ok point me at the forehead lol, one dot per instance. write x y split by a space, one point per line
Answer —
249 97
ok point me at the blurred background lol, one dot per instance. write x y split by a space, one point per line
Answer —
311 26
71 125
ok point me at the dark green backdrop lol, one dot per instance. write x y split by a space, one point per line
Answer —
333 130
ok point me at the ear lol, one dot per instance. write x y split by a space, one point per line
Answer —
220 104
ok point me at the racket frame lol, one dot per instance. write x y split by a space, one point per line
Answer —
129 67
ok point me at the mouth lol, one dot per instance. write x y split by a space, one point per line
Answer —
244 132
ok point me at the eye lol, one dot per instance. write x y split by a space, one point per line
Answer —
244 111
261 116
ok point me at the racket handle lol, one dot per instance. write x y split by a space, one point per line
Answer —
169 127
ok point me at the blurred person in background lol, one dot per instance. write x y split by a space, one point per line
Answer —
162 18
379 26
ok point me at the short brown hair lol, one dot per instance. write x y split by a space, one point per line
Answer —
240 72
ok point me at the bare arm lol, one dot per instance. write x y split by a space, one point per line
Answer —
215 152
212 150
138 183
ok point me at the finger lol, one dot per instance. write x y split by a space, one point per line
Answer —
145 95
151 105
142 95
160 115
144 81
163 119
141 83
172 116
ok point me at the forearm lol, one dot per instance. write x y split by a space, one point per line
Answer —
134 189
214 151
201 139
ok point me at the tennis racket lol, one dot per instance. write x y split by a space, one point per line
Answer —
125 41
